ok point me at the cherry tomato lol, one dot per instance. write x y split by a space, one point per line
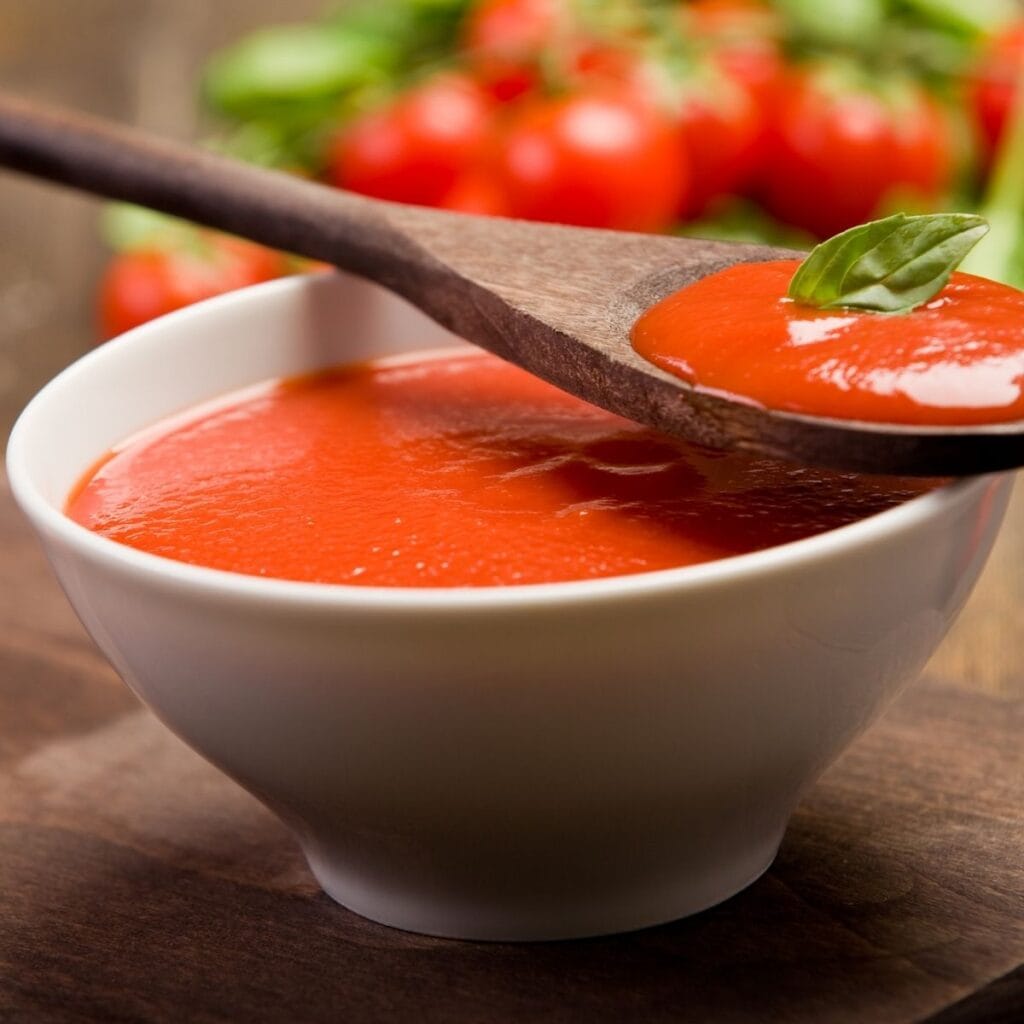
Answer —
414 150
141 285
723 133
995 85
596 158
733 17
595 61
923 156
745 39
504 41
477 192
838 150
513 46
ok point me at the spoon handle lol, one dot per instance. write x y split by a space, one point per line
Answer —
276 209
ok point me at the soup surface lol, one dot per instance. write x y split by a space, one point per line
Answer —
956 360
447 470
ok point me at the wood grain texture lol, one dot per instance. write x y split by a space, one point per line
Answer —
1000 1002
140 885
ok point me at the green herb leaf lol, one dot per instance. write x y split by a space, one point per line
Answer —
887 266
838 23
293 64
979 17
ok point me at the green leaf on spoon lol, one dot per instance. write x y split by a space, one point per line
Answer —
887 266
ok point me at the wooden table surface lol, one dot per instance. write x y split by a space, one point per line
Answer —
140 885
137 884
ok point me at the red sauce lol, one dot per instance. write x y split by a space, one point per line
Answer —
455 471
959 359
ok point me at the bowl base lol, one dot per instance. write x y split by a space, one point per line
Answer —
642 906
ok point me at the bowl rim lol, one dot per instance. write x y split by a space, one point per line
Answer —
50 520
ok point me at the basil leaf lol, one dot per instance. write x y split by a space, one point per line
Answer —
887 266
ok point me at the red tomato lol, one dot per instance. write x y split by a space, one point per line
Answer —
477 192
744 36
723 132
510 44
924 150
414 150
757 65
140 286
594 62
744 39
504 40
598 158
995 84
733 17
837 151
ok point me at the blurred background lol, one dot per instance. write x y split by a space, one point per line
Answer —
135 60
779 121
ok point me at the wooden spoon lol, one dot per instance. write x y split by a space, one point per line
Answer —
558 301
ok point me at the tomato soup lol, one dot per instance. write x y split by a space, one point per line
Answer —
956 360
447 470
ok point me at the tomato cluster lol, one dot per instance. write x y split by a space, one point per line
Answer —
548 120
625 115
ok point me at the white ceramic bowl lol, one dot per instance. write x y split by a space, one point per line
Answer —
530 762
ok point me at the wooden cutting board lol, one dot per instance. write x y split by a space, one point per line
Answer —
137 884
